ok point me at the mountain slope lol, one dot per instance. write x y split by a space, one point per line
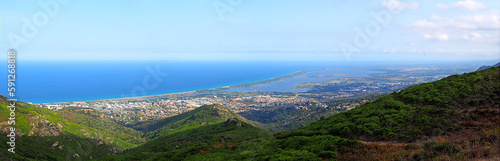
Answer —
204 115
457 117
99 125
44 134
188 134
429 109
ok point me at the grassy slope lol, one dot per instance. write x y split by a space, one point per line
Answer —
77 132
40 148
181 144
188 134
205 115
100 126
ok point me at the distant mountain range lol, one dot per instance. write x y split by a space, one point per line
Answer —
455 118
488 66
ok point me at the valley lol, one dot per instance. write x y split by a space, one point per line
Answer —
456 117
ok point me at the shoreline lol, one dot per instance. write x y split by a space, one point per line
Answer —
217 89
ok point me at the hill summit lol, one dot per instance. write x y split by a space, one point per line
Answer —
207 128
204 115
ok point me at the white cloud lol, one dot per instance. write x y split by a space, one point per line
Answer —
397 5
481 27
439 36
480 21
473 27
427 24
469 5
473 36
487 20
442 37
427 36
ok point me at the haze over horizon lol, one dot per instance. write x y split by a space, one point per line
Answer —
252 30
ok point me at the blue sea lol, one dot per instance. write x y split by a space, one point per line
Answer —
71 81
287 85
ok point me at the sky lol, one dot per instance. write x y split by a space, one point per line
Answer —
261 30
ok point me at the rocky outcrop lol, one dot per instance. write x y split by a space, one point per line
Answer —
40 126
55 144
234 122
6 129
3 98
48 129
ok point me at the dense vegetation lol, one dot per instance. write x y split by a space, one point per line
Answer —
100 123
46 134
62 147
188 134
204 115
181 144
383 119
288 118
472 90
312 148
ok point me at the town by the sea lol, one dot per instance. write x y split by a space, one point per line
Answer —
72 81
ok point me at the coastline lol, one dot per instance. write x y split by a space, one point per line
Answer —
217 89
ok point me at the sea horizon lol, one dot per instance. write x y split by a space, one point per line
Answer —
78 81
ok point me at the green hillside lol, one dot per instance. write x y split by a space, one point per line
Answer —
188 134
99 125
53 135
288 118
204 115
456 118
429 109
